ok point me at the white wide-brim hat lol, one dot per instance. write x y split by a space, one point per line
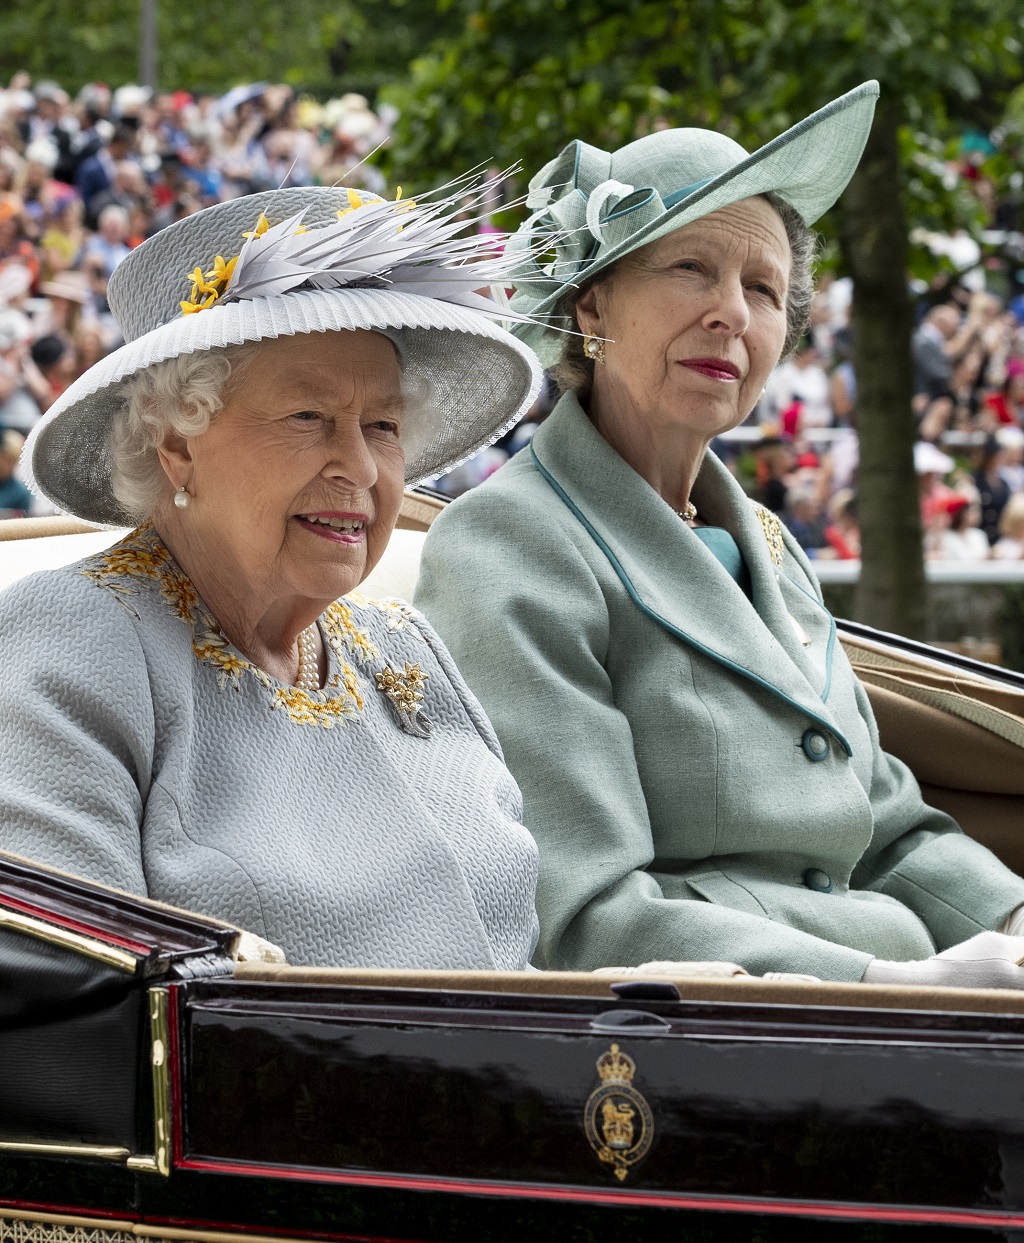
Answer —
591 208
320 267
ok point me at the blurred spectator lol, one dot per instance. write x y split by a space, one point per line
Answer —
932 466
993 490
35 185
774 460
90 345
110 244
1007 401
1012 467
804 518
933 362
128 190
62 242
96 174
1010 545
15 498
798 391
842 535
203 172
962 539
19 410
843 386
54 360
15 246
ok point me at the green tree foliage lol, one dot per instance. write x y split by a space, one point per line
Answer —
523 77
322 46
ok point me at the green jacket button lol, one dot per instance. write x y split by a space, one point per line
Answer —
819 881
815 746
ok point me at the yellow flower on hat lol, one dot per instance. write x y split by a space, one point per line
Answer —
207 287
262 225
221 272
355 201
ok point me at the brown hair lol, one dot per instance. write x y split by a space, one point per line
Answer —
575 371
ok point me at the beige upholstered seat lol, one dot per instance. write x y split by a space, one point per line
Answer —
961 734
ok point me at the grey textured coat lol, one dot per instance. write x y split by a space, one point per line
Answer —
702 785
138 749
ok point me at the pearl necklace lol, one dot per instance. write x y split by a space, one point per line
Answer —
688 513
308 678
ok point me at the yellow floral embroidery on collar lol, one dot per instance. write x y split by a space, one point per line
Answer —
338 623
338 700
142 555
396 612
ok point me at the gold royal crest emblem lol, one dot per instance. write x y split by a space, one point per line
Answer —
618 1121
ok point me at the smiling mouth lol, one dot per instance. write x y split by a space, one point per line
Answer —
713 368
341 528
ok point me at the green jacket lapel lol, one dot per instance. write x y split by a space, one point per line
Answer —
784 596
668 572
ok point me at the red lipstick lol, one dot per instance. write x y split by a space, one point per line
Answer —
714 368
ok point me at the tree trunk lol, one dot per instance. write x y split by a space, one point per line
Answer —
873 234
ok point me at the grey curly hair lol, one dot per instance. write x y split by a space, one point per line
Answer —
575 371
178 395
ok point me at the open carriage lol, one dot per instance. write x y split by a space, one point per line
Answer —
152 1085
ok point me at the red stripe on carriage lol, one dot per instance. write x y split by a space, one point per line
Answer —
73 925
898 1214
174 1055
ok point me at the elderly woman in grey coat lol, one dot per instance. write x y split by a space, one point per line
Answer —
700 765
205 713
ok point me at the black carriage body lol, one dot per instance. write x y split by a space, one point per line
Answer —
336 1110
148 1086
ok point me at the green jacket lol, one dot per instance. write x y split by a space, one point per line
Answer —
701 783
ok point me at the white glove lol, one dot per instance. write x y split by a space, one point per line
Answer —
248 947
1013 925
715 970
988 960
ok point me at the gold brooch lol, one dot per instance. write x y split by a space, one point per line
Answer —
405 691
772 528
617 1119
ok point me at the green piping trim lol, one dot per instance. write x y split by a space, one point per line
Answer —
829 650
625 211
664 622
678 195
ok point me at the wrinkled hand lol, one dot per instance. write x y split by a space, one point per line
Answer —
988 960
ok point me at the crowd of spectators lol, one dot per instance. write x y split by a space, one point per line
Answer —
800 454
85 180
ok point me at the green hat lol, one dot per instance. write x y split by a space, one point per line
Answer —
591 207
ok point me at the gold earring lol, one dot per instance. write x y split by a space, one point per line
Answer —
593 347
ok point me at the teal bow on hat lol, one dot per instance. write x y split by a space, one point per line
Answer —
590 207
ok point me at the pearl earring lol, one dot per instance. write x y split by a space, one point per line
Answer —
593 347
183 498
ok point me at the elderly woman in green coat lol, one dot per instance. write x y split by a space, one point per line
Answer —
700 765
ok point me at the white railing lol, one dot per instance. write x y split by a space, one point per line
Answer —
995 572
751 434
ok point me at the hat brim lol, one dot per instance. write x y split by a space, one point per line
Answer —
481 381
808 166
